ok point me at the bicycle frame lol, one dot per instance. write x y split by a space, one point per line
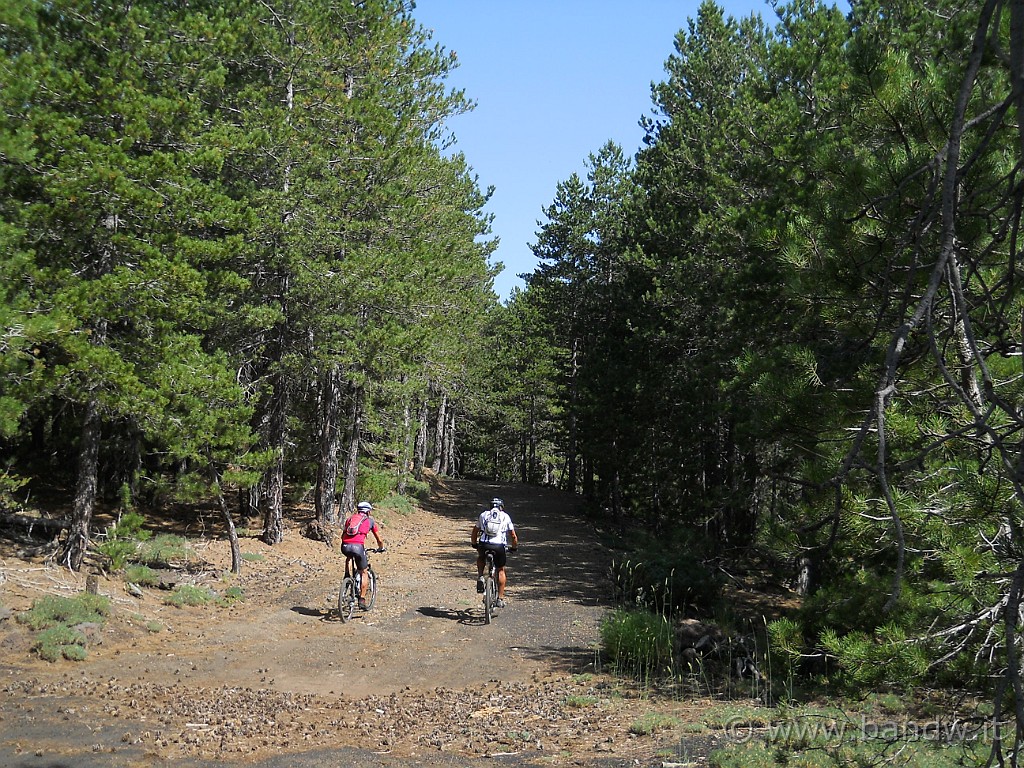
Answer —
350 590
490 586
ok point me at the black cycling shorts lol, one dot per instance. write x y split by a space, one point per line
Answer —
500 556
358 551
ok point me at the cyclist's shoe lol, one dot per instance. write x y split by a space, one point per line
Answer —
480 585
362 605
499 603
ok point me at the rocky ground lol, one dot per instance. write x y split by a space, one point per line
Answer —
276 679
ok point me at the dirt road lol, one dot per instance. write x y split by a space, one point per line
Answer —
276 679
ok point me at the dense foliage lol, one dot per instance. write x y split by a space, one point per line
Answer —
238 253
793 324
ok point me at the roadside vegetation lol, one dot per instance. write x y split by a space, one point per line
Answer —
240 267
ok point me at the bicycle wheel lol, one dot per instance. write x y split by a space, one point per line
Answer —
490 594
347 598
371 589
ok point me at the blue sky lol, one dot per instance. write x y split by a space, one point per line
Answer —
553 81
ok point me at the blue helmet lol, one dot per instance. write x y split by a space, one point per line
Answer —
496 502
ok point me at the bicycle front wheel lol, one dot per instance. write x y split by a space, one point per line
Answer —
347 598
490 595
371 589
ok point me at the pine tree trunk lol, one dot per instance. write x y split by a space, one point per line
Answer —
85 488
448 462
442 415
572 450
273 519
531 467
225 513
405 453
420 453
348 496
330 447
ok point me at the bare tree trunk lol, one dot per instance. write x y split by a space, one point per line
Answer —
348 496
531 459
572 449
273 518
442 415
330 446
448 460
405 457
85 488
225 513
420 455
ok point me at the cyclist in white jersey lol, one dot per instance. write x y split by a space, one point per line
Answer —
494 531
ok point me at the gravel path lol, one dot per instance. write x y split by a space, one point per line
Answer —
277 680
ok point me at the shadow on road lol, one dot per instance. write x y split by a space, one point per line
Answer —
462 617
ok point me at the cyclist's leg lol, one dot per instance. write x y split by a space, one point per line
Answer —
500 558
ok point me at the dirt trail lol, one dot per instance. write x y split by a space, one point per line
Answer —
277 674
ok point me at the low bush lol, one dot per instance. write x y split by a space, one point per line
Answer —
417 489
165 549
188 594
653 722
373 484
56 617
142 575
666 580
54 611
122 540
637 643
59 642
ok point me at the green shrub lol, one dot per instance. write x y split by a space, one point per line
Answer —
122 540
188 594
9 485
417 489
400 504
232 595
142 575
57 642
54 611
374 484
637 643
881 657
666 580
57 616
165 549
785 647
653 722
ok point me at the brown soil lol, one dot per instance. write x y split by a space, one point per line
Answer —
276 676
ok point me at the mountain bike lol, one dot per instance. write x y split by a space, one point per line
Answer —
490 595
490 587
348 595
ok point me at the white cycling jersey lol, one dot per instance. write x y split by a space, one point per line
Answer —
494 525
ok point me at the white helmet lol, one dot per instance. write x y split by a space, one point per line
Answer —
364 506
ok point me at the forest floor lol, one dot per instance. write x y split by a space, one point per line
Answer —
276 679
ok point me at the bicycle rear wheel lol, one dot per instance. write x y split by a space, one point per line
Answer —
347 598
371 589
490 594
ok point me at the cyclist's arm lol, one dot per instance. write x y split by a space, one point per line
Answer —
514 538
476 534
